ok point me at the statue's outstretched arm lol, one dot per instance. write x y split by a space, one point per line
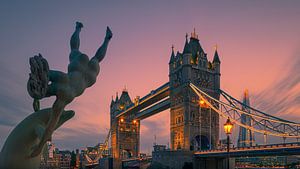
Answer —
100 54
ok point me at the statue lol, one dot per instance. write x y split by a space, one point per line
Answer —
25 143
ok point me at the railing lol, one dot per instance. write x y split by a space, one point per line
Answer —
261 122
252 148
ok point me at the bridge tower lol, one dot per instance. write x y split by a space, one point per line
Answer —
193 126
124 129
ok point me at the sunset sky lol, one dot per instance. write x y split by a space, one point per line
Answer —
258 43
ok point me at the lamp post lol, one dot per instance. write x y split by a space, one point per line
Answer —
228 128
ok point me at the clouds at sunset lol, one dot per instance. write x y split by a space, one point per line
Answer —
282 98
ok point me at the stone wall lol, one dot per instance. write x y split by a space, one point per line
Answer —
172 159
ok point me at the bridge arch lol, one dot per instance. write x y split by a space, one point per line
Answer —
126 153
200 142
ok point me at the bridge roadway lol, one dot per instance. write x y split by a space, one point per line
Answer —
255 151
142 163
154 102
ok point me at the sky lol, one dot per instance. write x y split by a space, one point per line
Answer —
258 43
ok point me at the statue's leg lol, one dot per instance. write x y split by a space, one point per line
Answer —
75 41
57 109
102 50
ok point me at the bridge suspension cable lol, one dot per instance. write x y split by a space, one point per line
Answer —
262 122
91 161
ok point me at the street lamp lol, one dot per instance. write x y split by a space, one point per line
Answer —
228 128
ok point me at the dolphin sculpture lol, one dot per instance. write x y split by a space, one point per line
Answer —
17 149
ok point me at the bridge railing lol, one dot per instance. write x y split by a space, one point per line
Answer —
252 148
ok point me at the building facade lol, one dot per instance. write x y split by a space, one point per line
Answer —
52 158
246 136
125 131
193 125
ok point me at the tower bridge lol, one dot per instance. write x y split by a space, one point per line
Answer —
187 118
196 103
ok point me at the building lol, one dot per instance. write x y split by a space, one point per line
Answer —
158 147
49 159
125 137
246 136
52 158
193 124
64 159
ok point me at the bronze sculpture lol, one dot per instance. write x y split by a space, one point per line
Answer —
39 126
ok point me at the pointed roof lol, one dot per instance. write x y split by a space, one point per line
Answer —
117 97
172 59
187 48
216 57
112 101
193 46
194 34
125 98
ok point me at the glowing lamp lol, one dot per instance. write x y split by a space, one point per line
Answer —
121 120
134 121
228 126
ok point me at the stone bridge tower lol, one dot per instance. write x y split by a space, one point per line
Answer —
125 130
193 125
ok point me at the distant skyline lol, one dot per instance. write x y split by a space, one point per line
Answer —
258 43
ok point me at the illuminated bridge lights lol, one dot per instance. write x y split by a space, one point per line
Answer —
201 102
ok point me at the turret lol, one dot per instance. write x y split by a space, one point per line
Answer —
216 61
172 62
112 101
124 99
172 58
187 48
216 66
117 97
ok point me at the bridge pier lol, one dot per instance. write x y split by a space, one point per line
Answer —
213 163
